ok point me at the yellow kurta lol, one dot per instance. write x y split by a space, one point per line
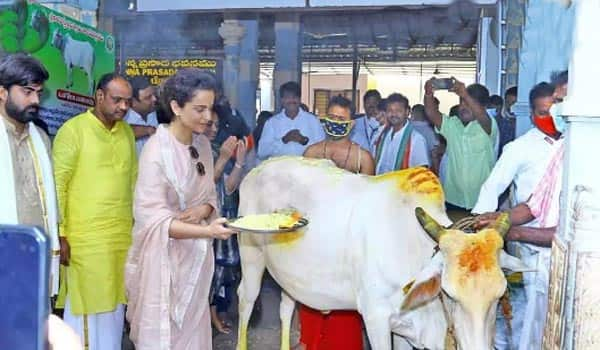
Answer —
95 170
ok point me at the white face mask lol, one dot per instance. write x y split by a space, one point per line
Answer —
557 117
491 112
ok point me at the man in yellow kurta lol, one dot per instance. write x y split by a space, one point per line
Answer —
95 172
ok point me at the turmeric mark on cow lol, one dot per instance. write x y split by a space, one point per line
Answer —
287 238
479 254
415 180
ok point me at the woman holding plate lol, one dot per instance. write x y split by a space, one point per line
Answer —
170 263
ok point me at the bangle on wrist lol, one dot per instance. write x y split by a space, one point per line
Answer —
238 165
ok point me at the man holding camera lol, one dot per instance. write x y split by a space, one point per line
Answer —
470 141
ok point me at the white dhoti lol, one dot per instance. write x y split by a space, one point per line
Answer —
536 287
518 302
102 331
505 340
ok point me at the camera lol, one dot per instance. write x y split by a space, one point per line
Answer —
443 83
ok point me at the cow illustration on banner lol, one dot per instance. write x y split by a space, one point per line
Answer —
75 54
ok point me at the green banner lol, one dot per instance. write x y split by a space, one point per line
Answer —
76 56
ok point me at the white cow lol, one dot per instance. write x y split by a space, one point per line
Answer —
75 53
362 246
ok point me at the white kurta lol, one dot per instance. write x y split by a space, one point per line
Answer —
547 191
523 163
134 118
279 125
418 151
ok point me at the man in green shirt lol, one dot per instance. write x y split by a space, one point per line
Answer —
470 138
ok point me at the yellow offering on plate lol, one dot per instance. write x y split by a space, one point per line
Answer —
268 222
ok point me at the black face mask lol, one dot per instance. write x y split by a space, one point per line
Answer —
23 115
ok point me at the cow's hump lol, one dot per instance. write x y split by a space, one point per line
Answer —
418 180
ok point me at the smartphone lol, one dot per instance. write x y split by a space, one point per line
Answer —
443 83
24 301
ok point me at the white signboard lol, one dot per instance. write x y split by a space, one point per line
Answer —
162 5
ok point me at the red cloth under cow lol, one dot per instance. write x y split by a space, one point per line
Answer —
333 331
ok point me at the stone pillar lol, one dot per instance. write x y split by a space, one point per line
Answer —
573 313
541 54
514 17
288 53
249 70
488 59
106 22
232 33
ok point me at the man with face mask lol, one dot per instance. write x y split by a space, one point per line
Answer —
339 329
506 119
399 146
338 147
470 138
95 168
524 160
523 163
560 81
366 126
27 187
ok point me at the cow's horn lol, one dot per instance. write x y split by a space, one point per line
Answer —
502 224
433 229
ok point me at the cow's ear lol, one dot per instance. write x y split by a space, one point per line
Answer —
99 95
422 292
513 264
3 93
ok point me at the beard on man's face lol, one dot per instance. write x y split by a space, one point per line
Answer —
22 114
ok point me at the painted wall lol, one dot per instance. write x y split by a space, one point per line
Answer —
330 82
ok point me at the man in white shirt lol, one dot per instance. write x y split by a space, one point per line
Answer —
424 127
292 130
399 146
524 162
142 115
367 126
